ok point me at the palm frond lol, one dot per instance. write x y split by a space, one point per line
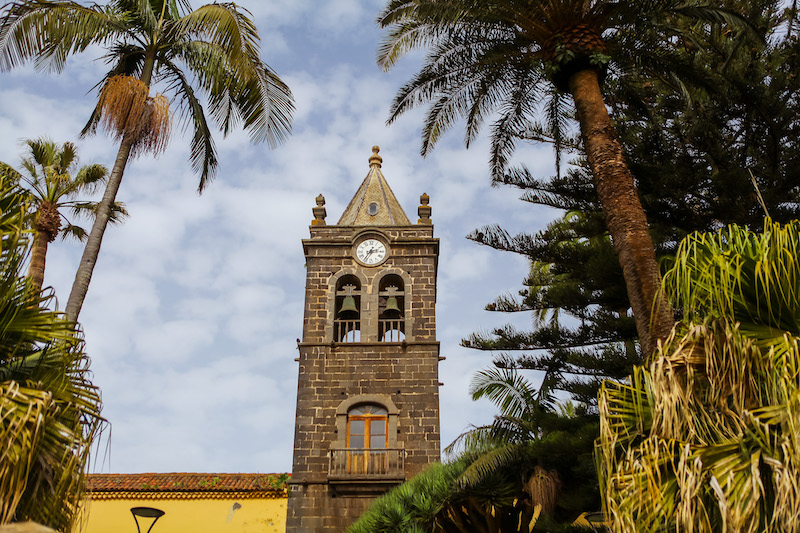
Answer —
514 119
506 388
10 173
706 437
501 457
748 277
71 231
89 209
147 17
67 157
48 31
264 103
203 151
473 440
50 409
90 177
24 411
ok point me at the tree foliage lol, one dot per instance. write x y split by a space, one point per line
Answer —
705 438
48 177
525 59
433 501
164 44
530 470
49 408
581 331
691 148
547 444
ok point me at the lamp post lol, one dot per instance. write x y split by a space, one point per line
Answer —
146 512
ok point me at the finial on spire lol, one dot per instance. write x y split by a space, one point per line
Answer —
375 159
424 210
319 212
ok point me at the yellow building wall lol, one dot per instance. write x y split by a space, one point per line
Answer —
201 515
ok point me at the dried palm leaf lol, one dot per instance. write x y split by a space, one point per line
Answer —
126 110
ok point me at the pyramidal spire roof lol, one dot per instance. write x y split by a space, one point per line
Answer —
374 204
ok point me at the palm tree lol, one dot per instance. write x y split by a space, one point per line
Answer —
52 187
433 501
50 409
547 445
510 56
706 438
155 42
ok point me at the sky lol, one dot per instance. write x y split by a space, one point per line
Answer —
196 300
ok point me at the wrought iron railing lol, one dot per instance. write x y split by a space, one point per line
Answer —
391 330
360 463
347 330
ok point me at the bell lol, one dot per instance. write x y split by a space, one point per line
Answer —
392 310
349 309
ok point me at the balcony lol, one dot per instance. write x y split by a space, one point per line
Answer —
358 464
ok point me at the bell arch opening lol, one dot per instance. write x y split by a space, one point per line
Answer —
347 321
391 309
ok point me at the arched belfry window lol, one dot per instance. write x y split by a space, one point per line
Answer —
347 321
391 309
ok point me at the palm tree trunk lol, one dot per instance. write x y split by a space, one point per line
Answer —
89 259
46 228
38 255
623 211
84 274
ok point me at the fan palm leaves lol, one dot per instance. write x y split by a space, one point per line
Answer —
50 410
548 447
212 52
433 501
706 438
746 277
514 60
48 177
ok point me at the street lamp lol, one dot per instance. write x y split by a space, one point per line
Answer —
146 512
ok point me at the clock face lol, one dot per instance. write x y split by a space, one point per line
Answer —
371 252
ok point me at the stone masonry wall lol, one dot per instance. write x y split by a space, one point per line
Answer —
332 372
330 376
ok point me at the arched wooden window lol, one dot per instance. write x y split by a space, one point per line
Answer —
347 321
391 309
366 445
367 426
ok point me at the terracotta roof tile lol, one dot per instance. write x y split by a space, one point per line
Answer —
187 482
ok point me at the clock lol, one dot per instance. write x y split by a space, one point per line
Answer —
371 251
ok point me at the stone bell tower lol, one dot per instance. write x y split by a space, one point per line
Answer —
368 388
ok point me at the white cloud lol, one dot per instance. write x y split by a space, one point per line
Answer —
174 342
196 301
